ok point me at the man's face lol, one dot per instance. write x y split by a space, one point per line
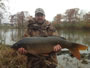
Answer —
39 17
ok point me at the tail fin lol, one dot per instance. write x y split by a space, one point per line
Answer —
75 50
82 47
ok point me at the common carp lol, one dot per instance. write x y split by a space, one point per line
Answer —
39 45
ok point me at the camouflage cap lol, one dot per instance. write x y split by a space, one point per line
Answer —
39 10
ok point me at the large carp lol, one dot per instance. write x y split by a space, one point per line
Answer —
38 45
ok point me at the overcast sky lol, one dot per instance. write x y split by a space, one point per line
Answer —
51 7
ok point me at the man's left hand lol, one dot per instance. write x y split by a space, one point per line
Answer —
57 48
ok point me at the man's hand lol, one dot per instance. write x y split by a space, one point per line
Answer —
22 51
57 48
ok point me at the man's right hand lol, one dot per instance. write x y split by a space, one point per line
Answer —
22 50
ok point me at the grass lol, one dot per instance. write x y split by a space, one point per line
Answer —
11 59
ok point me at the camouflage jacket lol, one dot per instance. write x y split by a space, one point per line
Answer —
44 29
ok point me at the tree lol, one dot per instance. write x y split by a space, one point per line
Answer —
72 15
18 19
87 17
13 19
2 9
58 18
2 5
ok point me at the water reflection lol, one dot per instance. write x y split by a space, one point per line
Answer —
79 36
10 36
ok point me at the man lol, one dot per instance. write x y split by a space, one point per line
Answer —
38 26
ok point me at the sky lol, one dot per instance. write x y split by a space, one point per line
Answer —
51 7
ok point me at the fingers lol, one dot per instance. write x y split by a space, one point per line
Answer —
22 51
57 48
